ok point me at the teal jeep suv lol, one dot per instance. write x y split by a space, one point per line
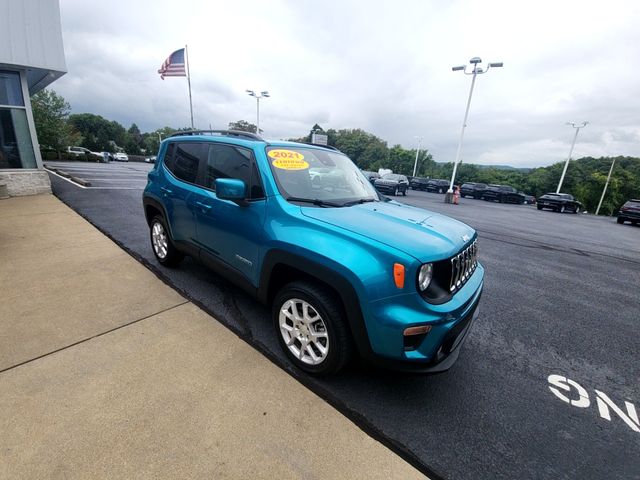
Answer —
344 269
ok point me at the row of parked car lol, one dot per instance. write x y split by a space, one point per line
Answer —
396 184
98 156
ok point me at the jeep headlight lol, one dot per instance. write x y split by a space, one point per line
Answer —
425 274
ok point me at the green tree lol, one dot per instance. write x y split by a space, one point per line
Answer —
134 141
50 113
243 126
98 133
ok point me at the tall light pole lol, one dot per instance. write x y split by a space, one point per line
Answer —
258 96
604 191
415 164
474 71
573 144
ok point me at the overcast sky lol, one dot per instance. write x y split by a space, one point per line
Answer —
381 66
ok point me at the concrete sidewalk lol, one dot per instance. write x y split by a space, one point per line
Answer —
106 372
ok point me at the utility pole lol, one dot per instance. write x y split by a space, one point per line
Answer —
573 144
604 190
415 164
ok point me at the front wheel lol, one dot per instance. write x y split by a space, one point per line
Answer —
164 250
539 207
440 190
561 209
406 190
620 220
395 192
311 328
576 210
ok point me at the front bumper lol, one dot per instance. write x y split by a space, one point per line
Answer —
450 322
629 215
387 188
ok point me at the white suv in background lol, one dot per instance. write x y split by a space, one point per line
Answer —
121 157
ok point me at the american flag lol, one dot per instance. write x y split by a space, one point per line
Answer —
174 65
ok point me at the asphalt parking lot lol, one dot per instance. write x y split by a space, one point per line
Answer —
113 175
539 390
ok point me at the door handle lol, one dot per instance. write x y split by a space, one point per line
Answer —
166 191
204 207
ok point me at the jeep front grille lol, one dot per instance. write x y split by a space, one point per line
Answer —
462 266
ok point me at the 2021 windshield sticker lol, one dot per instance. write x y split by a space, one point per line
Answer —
288 160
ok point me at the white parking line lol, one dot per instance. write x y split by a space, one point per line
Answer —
91 188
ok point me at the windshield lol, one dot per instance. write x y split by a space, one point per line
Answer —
322 177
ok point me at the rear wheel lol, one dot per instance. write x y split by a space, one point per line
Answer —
164 250
620 220
561 209
311 328
395 191
539 207
576 210
405 192
440 190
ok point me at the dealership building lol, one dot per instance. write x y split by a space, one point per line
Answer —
31 57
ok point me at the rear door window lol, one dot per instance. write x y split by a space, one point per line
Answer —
184 161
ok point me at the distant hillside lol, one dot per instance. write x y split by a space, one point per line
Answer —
506 167
496 167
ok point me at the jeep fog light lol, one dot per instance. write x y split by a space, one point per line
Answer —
424 276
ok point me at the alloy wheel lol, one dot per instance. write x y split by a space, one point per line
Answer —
304 331
159 240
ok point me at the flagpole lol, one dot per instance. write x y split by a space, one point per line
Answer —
186 55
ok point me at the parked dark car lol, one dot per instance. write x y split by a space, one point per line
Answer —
392 183
472 189
437 185
559 202
372 176
418 183
630 212
502 194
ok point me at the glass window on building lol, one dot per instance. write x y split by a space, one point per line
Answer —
16 148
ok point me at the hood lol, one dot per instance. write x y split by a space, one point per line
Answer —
425 235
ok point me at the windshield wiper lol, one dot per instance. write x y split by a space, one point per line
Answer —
359 201
315 201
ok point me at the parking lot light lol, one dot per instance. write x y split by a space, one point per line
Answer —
258 96
573 144
474 71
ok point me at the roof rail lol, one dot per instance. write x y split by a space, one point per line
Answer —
228 133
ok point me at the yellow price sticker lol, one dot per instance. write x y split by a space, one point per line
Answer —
288 160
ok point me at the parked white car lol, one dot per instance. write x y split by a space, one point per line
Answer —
121 157
78 151
81 152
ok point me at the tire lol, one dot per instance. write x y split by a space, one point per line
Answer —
440 190
162 245
620 220
463 195
539 207
576 210
395 192
405 192
323 317
561 209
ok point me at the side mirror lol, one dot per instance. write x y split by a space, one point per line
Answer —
232 189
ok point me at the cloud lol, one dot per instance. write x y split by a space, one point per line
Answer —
384 67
